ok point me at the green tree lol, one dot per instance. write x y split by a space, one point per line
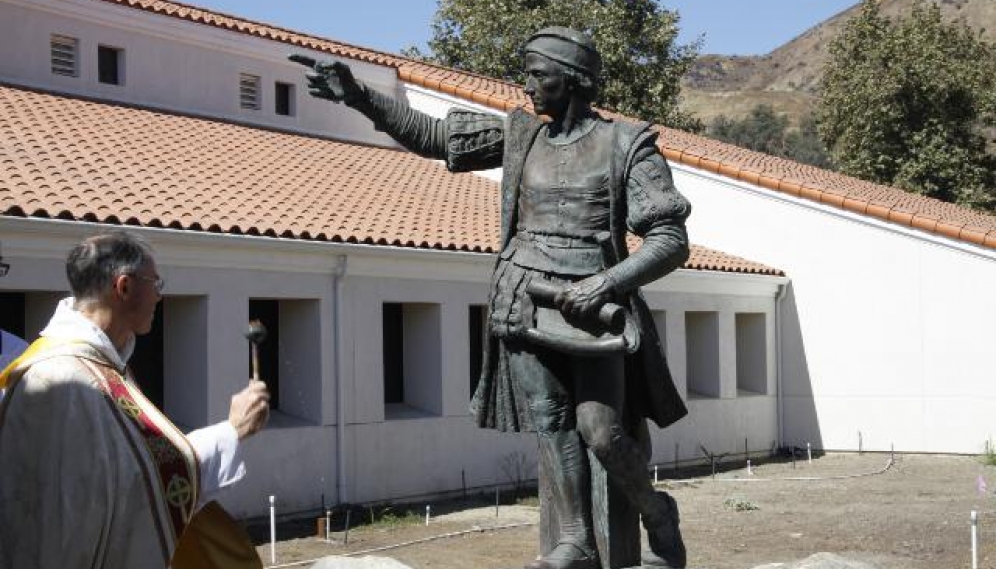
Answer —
908 102
642 60
766 131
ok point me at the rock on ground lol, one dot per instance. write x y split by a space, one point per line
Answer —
367 562
819 561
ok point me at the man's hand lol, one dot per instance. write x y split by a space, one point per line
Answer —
583 299
250 409
333 81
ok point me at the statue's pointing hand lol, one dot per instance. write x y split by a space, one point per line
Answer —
333 81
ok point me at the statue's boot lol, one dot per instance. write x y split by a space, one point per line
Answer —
626 465
667 549
570 491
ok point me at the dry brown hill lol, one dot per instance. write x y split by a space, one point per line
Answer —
787 78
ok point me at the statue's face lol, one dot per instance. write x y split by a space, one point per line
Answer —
546 85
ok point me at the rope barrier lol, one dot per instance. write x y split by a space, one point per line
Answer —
409 543
883 470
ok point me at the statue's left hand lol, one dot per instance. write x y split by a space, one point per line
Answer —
584 298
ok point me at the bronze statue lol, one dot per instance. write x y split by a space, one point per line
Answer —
572 352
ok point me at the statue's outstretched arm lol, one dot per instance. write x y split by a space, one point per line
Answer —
416 131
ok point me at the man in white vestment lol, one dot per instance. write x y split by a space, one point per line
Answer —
92 475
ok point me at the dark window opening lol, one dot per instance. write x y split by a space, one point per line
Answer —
477 333
284 93
146 361
109 65
393 353
12 313
268 312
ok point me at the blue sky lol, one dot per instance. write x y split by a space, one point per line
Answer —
743 27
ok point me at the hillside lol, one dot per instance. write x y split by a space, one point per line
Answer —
787 78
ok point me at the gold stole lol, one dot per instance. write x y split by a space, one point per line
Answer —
177 470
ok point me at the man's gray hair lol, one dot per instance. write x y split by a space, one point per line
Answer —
95 262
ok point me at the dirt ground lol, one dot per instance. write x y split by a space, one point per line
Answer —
914 515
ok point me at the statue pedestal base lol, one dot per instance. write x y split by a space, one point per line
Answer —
616 521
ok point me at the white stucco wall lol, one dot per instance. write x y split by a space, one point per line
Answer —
887 330
176 65
387 454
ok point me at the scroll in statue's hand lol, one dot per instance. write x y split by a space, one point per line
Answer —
583 299
333 81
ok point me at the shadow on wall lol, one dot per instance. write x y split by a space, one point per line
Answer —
800 422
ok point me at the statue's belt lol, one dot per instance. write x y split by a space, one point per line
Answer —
612 330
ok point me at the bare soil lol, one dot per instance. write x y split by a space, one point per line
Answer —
915 514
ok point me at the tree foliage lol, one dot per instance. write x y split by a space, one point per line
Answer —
642 61
766 131
908 102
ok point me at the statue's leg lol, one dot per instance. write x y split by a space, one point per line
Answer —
551 403
600 394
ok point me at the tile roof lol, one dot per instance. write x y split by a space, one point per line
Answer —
76 159
882 202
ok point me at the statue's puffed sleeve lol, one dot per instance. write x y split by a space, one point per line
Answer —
465 140
655 211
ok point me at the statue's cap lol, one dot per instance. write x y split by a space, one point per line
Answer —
568 47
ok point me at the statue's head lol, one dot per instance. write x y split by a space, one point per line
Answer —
569 54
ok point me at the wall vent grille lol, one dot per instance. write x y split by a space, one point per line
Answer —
249 91
64 50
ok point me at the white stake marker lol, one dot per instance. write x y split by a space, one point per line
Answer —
273 533
975 540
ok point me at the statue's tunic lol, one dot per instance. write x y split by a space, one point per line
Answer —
554 200
563 204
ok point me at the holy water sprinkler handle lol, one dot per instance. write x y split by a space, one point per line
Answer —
256 334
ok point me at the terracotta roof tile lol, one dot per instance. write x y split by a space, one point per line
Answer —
75 159
770 172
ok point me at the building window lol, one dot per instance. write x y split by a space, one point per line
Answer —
12 313
64 51
752 354
268 312
283 99
477 333
290 357
412 355
110 64
146 361
25 314
394 349
702 352
249 92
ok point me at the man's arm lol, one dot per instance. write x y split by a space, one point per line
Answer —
217 446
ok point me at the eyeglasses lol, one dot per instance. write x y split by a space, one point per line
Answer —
157 282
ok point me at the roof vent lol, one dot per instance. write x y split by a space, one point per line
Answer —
64 50
249 91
